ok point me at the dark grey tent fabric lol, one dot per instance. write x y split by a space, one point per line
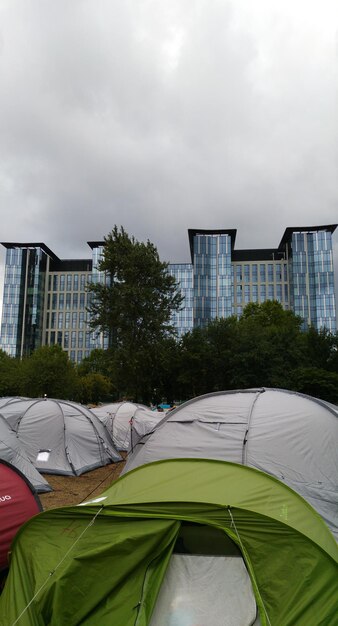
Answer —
60 437
12 452
286 434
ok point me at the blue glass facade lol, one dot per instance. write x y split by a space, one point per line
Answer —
183 320
23 300
213 278
98 340
45 299
311 278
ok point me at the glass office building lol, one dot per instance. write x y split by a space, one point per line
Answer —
45 299
23 299
311 278
213 275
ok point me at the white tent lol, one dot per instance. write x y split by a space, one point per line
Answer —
4 400
127 422
60 437
286 434
12 452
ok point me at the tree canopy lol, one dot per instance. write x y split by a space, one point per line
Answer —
265 347
133 306
135 303
48 371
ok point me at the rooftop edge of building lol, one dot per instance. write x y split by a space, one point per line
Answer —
237 255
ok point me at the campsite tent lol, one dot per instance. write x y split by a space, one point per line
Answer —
106 561
126 421
60 437
289 435
4 400
12 451
18 502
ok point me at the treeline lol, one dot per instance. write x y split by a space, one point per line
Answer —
264 348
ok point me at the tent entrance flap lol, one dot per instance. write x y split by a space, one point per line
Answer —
206 582
199 589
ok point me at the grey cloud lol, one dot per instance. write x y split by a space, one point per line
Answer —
164 116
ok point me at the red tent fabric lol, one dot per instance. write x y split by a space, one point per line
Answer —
18 502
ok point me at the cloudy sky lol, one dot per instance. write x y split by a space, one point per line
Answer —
164 115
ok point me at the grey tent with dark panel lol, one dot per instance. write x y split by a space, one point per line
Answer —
60 437
12 452
286 434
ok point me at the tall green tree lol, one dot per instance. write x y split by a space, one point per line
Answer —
10 369
93 388
269 346
48 371
321 348
195 373
317 382
133 306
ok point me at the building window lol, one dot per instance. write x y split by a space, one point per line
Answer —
67 320
247 294
262 293
286 293
83 282
254 296
239 293
81 320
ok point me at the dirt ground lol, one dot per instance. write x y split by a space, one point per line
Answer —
68 490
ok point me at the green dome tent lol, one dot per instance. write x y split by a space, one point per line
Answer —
105 562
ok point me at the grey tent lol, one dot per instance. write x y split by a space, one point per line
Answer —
4 400
12 452
286 434
126 421
60 437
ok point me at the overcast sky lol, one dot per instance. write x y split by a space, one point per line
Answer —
164 115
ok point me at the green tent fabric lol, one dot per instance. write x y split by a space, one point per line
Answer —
102 563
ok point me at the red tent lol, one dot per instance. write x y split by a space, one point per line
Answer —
18 502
